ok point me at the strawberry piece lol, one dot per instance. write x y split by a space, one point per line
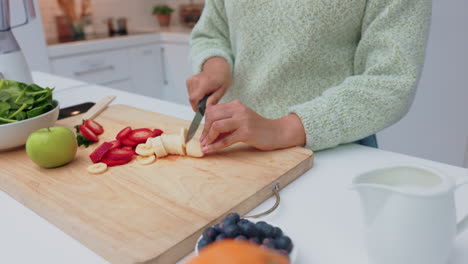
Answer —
87 133
129 143
130 148
112 163
115 144
94 126
124 133
100 151
157 132
140 135
119 154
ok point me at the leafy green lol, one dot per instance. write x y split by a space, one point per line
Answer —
20 101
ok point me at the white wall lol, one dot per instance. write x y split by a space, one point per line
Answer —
436 127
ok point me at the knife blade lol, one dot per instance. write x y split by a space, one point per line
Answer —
197 118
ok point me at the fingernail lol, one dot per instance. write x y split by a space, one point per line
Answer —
205 149
203 142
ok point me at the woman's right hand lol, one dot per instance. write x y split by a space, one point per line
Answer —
215 78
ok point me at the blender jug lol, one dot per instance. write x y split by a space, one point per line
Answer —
13 65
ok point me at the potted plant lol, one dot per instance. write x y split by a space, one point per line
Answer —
190 14
163 14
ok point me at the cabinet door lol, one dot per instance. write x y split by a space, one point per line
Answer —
146 70
176 70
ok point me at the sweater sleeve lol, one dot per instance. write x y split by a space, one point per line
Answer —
210 37
387 66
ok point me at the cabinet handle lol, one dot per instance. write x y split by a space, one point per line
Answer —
96 70
163 59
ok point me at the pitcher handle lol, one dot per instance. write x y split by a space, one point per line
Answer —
463 224
29 11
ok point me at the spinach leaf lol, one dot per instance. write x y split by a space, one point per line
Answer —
19 101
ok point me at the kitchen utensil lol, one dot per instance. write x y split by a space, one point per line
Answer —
197 119
14 135
98 108
13 65
409 214
154 213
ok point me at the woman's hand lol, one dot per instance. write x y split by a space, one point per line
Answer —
215 78
232 122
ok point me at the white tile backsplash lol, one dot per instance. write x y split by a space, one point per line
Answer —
138 12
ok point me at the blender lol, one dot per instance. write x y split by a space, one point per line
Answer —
13 65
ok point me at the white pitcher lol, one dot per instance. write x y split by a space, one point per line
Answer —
409 214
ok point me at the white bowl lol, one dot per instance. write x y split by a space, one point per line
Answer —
14 135
292 255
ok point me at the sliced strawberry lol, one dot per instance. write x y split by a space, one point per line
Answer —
115 144
140 135
94 126
98 153
119 154
130 148
124 133
87 133
112 163
128 142
157 132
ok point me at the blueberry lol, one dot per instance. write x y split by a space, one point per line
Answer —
268 230
248 229
269 242
255 240
241 238
231 231
204 242
220 237
283 242
277 232
243 222
210 232
218 228
234 217
283 252
260 228
264 229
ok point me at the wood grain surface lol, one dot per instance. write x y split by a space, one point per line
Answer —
154 213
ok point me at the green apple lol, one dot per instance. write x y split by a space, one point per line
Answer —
51 147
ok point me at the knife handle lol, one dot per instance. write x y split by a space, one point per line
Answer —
202 104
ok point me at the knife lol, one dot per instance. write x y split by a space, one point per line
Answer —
197 119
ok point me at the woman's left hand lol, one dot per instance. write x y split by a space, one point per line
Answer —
229 123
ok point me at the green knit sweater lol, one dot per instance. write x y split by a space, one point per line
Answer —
347 68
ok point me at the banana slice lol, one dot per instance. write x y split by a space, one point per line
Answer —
173 144
194 148
97 168
158 147
145 150
183 135
145 160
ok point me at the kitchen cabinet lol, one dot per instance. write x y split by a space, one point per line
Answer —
147 70
176 70
98 67
149 65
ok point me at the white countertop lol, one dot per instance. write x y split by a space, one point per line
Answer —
318 210
144 36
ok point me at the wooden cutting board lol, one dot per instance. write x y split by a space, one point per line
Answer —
148 214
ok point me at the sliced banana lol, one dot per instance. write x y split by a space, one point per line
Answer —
97 168
173 144
183 136
158 147
145 150
194 148
145 160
